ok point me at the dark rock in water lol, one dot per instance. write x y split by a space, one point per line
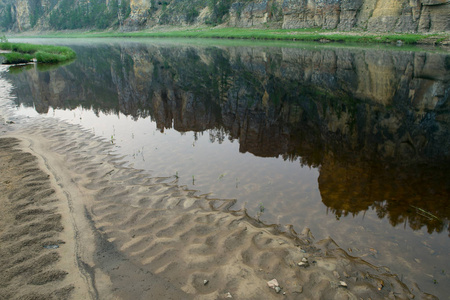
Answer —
2 59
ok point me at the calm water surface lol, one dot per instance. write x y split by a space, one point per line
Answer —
353 143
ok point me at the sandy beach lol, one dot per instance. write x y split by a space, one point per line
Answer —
75 223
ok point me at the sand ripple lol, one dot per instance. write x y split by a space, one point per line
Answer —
138 236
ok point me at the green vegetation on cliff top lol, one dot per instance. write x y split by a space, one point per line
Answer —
312 34
24 53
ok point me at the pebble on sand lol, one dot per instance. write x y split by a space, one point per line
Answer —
304 263
273 283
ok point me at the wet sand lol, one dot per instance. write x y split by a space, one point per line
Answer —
75 223
123 234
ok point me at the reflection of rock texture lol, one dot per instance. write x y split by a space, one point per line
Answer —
328 107
384 105
414 196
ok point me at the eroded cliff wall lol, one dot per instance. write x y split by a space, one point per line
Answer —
370 15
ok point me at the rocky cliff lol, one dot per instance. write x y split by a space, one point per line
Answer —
370 15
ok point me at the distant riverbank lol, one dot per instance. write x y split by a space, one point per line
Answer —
311 34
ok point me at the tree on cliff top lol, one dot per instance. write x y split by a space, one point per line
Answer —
67 14
88 14
6 16
218 8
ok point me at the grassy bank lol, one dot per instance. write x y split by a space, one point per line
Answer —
267 34
23 53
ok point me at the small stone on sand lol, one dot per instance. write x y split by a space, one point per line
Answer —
273 283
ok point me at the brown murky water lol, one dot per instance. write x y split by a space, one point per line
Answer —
350 142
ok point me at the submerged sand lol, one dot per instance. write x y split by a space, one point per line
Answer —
75 223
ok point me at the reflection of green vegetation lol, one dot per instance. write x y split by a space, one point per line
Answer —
19 69
49 66
350 186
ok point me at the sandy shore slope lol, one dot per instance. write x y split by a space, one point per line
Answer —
37 250
123 234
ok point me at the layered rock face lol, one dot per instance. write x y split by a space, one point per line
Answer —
25 15
370 15
139 13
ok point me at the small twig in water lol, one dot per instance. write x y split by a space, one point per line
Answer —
427 214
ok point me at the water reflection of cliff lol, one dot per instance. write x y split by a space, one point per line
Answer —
376 122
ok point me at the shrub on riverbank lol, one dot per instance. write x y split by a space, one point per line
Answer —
23 53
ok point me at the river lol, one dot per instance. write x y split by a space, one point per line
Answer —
349 141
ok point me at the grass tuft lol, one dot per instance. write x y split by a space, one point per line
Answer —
24 53
16 58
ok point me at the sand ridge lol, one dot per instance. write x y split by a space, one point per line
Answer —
36 249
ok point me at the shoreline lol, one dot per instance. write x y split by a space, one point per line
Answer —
131 235
305 35
38 249
112 246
